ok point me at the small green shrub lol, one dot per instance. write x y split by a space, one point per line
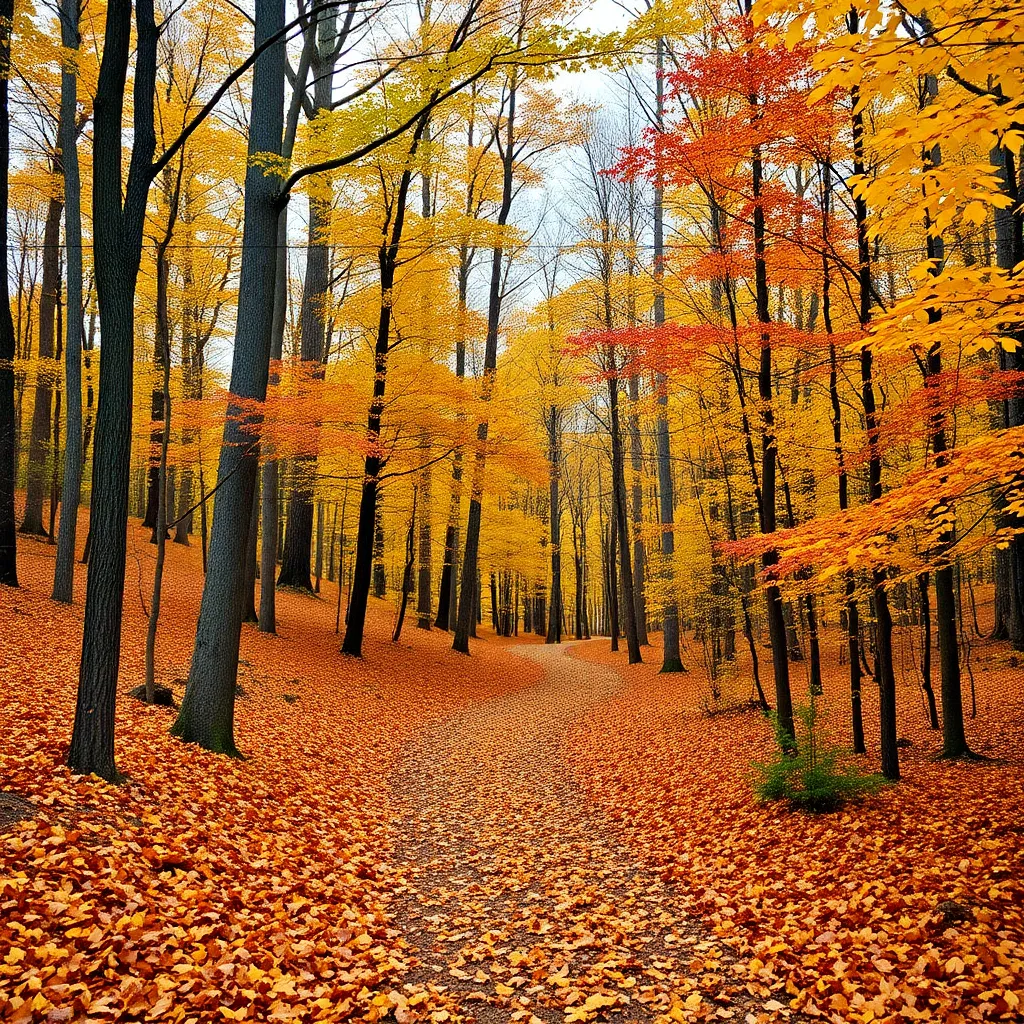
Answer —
815 775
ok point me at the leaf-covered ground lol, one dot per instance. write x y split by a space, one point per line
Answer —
206 888
526 835
846 915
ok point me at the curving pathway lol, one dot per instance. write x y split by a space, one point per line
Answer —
517 902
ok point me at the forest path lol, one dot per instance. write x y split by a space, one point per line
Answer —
517 894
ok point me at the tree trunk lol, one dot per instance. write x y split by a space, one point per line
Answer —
468 584
318 557
671 657
39 440
637 512
410 559
628 608
424 586
612 579
207 711
183 517
776 621
269 492
71 491
359 589
424 582
295 559
8 409
1009 228
883 618
370 535
158 426
380 576
117 242
926 650
886 683
954 738
554 633
251 555
540 617
160 526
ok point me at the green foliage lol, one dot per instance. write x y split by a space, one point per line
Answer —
815 775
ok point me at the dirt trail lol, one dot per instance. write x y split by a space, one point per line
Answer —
518 895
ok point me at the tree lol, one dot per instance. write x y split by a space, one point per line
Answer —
8 542
395 196
117 234
207 710
295 560
516 142
267 616
71 491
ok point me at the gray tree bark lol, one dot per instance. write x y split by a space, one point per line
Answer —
117 239
8 414
207 710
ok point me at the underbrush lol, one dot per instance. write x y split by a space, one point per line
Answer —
814 775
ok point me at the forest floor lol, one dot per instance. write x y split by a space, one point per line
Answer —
529 834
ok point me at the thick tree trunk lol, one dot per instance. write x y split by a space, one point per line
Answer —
318 557
954 738
1009 229
8 409
359 588
298 531
380 575
182 515
269 496
886 683
117 240
207 711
